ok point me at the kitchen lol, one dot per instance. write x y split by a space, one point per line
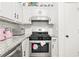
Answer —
39 29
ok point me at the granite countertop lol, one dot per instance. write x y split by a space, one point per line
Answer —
10 43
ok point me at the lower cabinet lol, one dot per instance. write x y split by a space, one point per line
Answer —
25 48
54 47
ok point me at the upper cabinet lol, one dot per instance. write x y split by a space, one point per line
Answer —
11 10
7 10
23 12
19 12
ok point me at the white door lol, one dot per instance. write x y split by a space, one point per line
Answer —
69 30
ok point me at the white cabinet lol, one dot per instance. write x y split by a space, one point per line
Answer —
54 47
69 30
25 48
11 10
19 12
7 10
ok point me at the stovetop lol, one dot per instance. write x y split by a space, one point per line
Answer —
40 36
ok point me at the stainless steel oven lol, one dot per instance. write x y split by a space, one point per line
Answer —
36 50
40 44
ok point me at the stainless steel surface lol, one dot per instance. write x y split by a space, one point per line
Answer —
48 54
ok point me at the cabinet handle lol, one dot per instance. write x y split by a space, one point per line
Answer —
53 46
14 15
24 4
17 16
24 53
49 19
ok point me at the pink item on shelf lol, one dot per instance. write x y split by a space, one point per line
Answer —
2 37
2 30
4 34
8 34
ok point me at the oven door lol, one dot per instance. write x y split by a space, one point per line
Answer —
38 49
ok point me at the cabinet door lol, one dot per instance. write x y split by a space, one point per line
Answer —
7 10
19 12
69 30
25 48
54 47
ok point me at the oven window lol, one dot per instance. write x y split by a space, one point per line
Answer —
37 48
